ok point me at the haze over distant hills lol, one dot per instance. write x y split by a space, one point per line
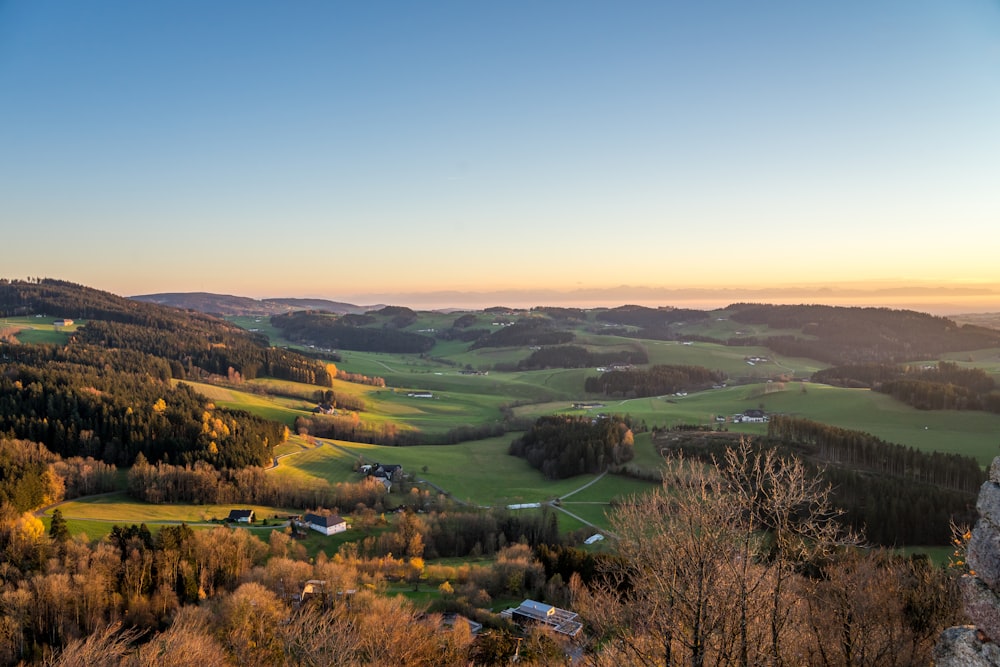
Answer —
229 305
946 300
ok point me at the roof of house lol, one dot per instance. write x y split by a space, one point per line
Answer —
322 520
560 620
535 608
235 515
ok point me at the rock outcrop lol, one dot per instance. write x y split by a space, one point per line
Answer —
977 645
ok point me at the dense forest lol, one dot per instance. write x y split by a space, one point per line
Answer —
650 318
896 495
527 331
577 356
110 405
328 331
563 446
195 345
941 386
844 336
864 451
654 381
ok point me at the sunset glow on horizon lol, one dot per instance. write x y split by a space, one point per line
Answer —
446 150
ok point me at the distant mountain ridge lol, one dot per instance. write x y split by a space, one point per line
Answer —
229 305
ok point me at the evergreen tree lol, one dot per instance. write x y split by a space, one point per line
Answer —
58 529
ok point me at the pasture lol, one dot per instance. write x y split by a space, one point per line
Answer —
35 330
121 508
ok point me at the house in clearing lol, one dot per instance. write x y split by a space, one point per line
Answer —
62 323
241 516
326 524
530 612
420 394
751 416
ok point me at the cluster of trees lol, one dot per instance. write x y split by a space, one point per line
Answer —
895 495
860 450
464 321
654 381
651 318
77 402
524 332
397 316
570 315
26 480
195 352
894 511
352 427
331 400
577 356
744 564
944 386
359 378
857 335
456 532
326 330
32 476
564 446
203 484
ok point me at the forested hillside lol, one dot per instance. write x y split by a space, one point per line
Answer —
857 335
351 332
108 393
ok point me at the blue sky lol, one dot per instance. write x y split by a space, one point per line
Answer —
355 150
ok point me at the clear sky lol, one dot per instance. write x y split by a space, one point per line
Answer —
376 150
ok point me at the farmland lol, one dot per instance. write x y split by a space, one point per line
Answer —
456 384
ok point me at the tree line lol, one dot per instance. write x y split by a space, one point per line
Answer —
654 381
860 450
524 332
202 483
650 318
564 446
194 345
744 563
32 476
842 336
76 405
890 509
329 331
577 356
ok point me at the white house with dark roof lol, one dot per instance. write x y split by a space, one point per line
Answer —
242 516
326 524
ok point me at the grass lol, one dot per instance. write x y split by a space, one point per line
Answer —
479 473
37 330
963 432
120 508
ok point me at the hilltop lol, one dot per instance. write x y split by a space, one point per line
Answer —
227 305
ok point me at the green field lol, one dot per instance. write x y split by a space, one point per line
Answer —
121 508
34 330
481 472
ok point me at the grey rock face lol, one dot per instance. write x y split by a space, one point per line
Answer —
983 552
961 647
973 645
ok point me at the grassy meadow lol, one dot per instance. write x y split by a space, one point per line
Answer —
37 330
